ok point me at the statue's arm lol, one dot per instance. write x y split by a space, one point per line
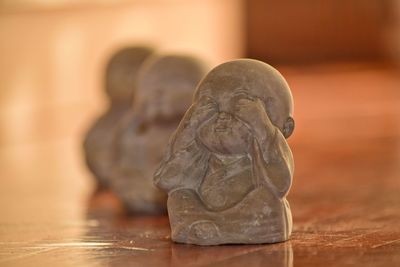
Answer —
275 162
183 168
185 162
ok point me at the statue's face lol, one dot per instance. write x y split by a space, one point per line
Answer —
225 133
166 101
254 78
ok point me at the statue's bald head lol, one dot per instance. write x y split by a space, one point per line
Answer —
166 84
258 79
121 73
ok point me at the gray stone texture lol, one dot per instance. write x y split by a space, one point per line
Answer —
228 167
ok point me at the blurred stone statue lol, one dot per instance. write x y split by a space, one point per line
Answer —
164 91
120 82
228 166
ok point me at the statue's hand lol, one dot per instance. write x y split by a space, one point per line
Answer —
203 109
252 112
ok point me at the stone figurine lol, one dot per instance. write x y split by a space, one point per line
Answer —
228 166
165 88
120 79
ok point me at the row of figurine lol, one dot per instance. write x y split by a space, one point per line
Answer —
209 148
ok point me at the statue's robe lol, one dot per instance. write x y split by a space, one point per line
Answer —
137 154
98 144
244 195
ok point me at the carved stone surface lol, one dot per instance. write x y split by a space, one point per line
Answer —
228 166
120 81
164 92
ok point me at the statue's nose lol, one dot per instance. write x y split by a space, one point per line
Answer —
225 106
224 116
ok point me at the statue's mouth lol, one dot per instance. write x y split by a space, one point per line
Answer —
225 137
222 128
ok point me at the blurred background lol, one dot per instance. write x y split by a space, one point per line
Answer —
340 58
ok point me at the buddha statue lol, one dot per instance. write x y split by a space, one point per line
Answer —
120 82
165 86
228 168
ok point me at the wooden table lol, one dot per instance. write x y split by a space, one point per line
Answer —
345 197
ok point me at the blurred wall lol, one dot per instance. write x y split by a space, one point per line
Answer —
285 31
53 52
52 55
392 44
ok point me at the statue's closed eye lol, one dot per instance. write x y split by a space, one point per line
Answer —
207 100
242 94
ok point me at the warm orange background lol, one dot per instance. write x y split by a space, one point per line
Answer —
341 59
335 56
52 56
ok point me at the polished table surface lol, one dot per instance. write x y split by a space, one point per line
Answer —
345 197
